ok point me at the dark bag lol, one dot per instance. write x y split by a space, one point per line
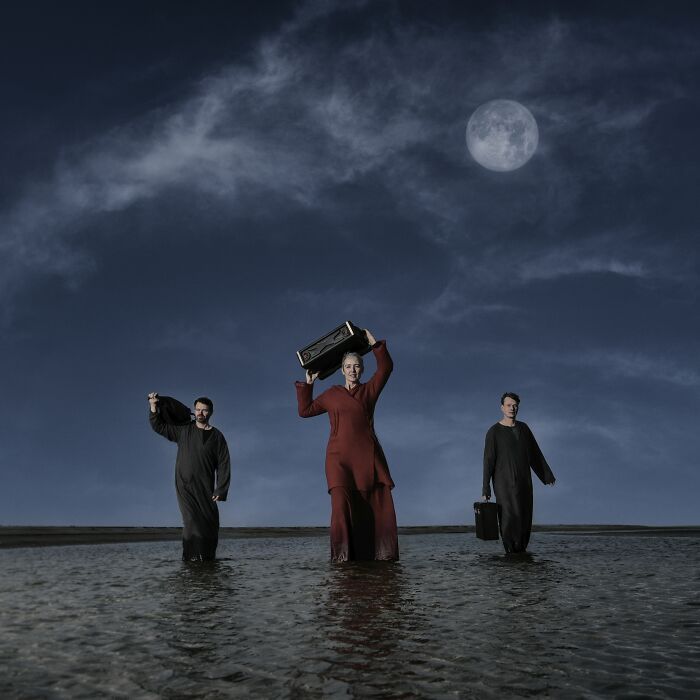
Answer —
486 515
326 354
173 412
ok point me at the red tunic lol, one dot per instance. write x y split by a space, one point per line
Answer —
354 457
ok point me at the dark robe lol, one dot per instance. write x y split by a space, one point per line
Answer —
509 453
363 519
173 411
202 470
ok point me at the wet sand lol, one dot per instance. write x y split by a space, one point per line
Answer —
43 536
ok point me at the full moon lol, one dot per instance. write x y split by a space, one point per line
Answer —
502 135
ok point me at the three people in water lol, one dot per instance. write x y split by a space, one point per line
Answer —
363 519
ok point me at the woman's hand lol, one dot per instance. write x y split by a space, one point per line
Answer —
153 400
311 376
370 338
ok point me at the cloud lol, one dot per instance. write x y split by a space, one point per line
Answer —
476 281
639 365
619 432
309 111
608 364
347 300
274 126
578 260
633 253
454 306
219 338
412 430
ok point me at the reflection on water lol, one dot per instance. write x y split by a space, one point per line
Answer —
581 616
197 598
362 609
365 610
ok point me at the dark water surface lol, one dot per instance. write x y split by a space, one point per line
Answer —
584 617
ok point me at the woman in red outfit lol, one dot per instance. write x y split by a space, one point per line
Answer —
363 520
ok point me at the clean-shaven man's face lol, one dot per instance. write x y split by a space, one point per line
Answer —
509 408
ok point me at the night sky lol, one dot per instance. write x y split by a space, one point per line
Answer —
191 192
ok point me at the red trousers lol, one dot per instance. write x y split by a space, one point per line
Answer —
363 525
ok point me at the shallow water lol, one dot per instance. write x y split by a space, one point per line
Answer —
584 617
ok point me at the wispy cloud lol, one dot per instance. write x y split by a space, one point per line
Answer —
306 113
640 365
221 338
454 306
572 260
631 253
608 364
411 430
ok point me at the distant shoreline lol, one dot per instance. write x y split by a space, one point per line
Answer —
47 536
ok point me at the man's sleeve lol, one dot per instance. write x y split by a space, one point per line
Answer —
489 462
537 461
223 471
171 432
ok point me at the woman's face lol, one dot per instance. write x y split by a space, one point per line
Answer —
352 368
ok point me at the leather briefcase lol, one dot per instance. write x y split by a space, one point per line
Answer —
486 516
326 354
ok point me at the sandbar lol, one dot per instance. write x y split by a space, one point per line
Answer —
44 536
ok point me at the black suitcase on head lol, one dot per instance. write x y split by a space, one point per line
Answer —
486 515
325 354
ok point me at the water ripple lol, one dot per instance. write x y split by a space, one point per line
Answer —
583 617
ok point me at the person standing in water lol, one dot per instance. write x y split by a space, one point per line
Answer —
363 519
510 451
202 475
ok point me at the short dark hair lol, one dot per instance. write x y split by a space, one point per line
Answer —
206 402
510 395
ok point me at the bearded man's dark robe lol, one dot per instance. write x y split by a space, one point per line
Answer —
202 470
509 454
